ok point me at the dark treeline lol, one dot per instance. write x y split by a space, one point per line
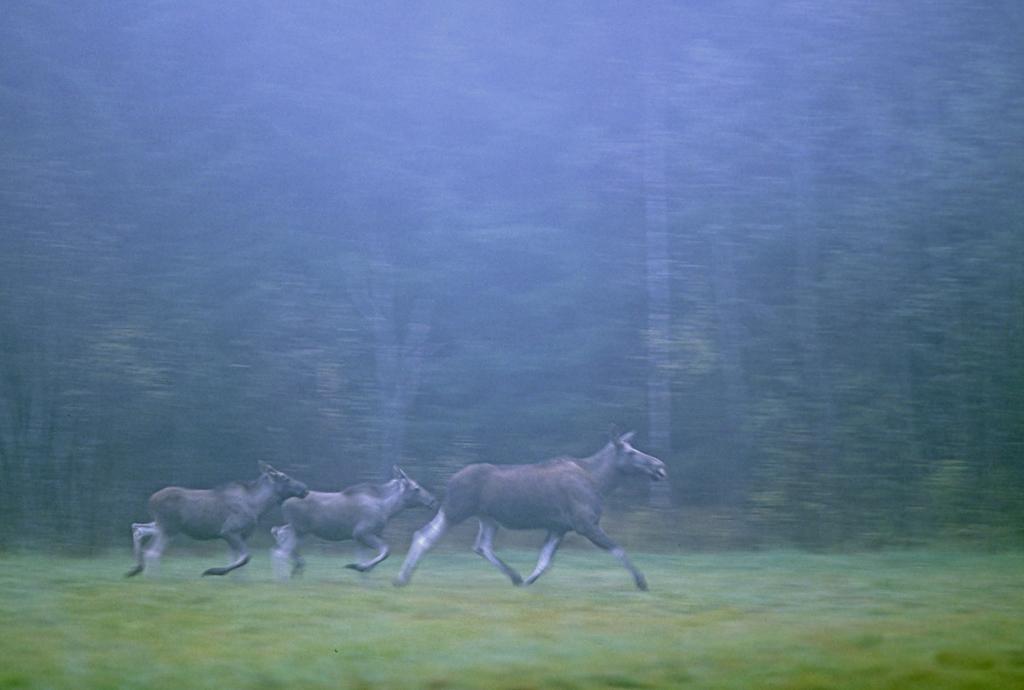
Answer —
784 241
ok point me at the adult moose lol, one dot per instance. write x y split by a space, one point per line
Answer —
559 495
359 512
229 513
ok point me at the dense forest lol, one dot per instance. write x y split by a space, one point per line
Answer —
783 241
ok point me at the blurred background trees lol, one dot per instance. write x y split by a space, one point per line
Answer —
785 243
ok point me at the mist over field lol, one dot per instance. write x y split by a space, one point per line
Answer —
783 242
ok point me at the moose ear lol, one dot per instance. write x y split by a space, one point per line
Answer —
397 472
265 468
614 432
627 437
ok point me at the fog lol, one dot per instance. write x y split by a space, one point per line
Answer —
784 242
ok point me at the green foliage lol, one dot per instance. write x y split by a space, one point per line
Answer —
338 237
740 620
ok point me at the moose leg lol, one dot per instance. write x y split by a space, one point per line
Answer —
241 555
287 551
547 552
298 562
151 556
140 532
484 547
374 542
422 542
595 534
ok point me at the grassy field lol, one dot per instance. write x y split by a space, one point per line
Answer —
736 620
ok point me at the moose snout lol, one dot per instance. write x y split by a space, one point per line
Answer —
658 472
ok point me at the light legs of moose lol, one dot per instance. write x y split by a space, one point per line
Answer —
428 536
148 560
240 550
485 547
288 542
158 540
599 538
371 540
229 512
547 552
559 495
422 541
140 530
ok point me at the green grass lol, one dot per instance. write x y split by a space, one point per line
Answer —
792 620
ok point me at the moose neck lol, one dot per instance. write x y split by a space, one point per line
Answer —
392 499
601 466
262 496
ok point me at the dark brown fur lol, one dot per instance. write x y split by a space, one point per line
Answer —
229 513
359 512
554 495
559 496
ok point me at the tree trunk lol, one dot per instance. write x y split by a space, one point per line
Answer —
735 443
658 278
399 351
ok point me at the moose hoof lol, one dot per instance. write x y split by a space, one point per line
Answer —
134 571
516 580
399 582
641 583
357 567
